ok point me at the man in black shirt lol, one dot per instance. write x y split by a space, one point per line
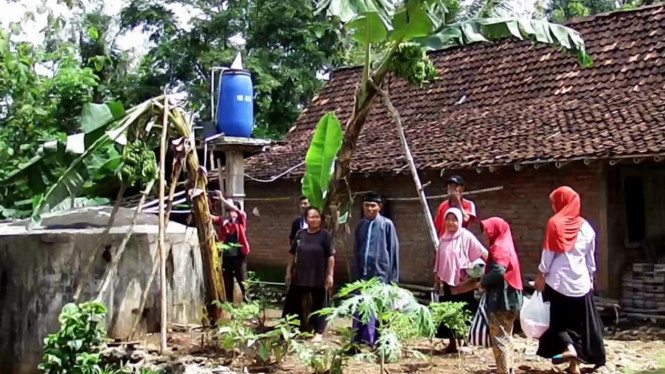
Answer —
299 223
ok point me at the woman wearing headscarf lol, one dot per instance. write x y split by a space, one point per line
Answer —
458 250
565 277
503 285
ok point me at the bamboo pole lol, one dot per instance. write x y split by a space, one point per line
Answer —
175 176
412 165
161 246
116 259
93 256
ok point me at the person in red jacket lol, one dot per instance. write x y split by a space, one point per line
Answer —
232 232
468 208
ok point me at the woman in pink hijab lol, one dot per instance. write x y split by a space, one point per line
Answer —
458 250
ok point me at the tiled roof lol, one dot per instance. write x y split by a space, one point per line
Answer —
510 102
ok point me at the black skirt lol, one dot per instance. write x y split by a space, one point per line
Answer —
576 321
469 298
302 302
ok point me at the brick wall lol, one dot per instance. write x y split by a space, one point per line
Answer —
523 202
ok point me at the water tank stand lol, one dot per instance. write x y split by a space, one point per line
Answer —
235 150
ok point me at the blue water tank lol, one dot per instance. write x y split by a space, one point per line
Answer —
235 109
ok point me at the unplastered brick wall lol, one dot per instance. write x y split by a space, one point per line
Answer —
523 202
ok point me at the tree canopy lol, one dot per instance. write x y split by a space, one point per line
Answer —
286 48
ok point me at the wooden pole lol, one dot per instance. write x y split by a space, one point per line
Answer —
175 175
91 260
116 259
161 247
414 172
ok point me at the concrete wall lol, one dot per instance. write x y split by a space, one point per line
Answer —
39 270
523 202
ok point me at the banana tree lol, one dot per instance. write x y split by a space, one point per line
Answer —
409 28
103 125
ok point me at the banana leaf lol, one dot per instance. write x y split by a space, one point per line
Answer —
320 159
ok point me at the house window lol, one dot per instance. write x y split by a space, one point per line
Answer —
635 209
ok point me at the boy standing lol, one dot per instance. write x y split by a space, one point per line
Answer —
456 190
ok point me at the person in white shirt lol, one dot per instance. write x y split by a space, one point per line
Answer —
566 272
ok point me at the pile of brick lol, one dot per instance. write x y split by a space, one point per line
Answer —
644 289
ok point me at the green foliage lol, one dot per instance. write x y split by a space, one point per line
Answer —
320 159
286 46
239 334
399 315
322 358
412 63
44 89
563 10
452 315
75 348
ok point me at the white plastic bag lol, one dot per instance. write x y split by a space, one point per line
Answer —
535 316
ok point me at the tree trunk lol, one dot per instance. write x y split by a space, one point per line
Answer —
197 182
209 254
412 166
339 195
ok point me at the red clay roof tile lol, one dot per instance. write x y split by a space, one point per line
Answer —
509 102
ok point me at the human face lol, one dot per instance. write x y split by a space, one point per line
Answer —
304 203
371 209
454 188
233 215
452 225
486 238
313 219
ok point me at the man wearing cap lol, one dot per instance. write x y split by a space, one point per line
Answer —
375 255
456 190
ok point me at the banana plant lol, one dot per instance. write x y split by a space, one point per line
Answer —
320 159
416 24
102 125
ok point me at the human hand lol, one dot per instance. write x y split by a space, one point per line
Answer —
287 279
540 283
329 282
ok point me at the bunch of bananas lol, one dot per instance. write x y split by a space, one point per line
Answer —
139 164
412 63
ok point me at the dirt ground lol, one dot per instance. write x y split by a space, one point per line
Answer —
633 351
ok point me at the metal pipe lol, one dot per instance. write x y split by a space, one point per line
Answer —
212 90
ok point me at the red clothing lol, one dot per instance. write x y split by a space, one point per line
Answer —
440 220
227 227
563 227
502 250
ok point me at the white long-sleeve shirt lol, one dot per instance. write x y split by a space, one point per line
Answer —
571 273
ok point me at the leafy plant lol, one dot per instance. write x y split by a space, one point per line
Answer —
259 293
324 358
320 159
396 310
452 315
239 334
389 24
75 348
223 247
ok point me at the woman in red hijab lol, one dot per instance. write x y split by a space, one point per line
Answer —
503 284
566 272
